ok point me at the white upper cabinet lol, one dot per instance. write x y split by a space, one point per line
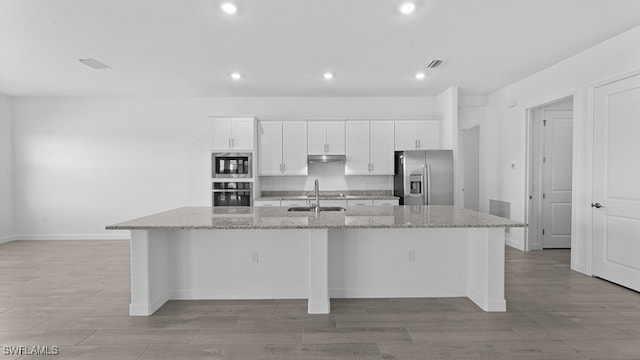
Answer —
233 134
369 148
294 145
358 160
417 134
270 147
326 137
382 155
283 146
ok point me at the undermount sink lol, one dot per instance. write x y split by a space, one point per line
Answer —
322 208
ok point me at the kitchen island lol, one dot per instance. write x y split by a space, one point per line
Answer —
272 253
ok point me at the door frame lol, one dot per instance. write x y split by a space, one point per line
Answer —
533 213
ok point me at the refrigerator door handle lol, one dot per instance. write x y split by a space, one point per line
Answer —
425 184
428 181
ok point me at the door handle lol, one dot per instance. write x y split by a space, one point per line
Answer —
596 205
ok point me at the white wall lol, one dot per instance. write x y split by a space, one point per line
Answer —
83 163
6 170
504 132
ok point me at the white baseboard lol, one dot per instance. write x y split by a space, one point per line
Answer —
235 294
146 309
8 238
393 292
515 244
72 237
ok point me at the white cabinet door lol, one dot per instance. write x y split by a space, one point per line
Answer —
242 134
316 137
390 202
326 137
405 135
270 145
428 134
266 203
294 147
232 134
221 134
289 203
357 148
361 202
381 153
335 136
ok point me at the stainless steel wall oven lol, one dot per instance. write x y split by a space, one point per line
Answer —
233 193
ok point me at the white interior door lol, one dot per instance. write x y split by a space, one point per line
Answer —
556 173
616 182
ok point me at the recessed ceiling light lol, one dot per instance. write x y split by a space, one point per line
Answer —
327 76
420 75
229 8
236 76
407 8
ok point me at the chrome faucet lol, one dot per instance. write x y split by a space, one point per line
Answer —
316 192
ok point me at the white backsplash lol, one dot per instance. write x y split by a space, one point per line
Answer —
331 177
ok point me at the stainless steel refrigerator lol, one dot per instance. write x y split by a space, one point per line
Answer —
424 177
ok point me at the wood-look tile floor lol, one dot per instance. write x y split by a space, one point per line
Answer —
75 294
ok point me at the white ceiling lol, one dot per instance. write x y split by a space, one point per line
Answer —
282 47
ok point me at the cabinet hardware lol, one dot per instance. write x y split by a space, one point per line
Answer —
284 167
419 144
229 142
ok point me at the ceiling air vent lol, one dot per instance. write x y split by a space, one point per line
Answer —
434 64
95 64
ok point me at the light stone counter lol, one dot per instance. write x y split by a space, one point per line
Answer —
386 217
270 253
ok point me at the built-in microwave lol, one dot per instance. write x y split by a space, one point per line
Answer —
232 193
231 165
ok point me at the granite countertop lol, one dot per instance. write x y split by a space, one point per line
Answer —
379 217
328 195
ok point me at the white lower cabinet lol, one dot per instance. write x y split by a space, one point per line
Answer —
290 203
359 202
266 203
387 202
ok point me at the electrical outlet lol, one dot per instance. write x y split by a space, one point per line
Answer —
44 218
255 258
411 256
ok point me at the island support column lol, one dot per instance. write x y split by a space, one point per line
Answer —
319 272
149 271
485 268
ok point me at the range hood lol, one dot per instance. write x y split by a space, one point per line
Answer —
326 159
